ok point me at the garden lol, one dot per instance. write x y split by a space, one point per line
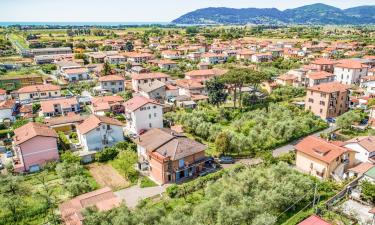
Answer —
233 132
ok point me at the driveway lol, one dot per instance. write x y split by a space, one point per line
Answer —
290 147
135 194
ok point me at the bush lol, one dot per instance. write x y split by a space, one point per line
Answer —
63 141
106 154
147 182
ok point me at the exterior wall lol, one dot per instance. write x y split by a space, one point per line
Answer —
327 105
38 151
349 76
39 95
6 114
304 162
159 170
93 140
171 93
113 86
77 77
369 86
157 94
60 111
142 119
312 82
362 155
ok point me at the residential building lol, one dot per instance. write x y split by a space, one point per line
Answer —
170 54
136 57
327 100
65 123
323 64
37 92
7 110
112 83
261 57
97 132
213 58
323 159
76 74
287 80
368 84
101 105
56 107
34 145
364 148
245 54
50 51
142 114
169 156
165 64
102 199
138 79
203 75
153 90
316 78
350 71
115 59
190 87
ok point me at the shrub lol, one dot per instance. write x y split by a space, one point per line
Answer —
106 154
63 141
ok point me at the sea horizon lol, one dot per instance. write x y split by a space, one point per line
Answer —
86 23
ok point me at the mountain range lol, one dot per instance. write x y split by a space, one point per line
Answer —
315 14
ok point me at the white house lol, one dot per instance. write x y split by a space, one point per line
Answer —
364 148
36 92
368 84
170 54
7 108
261 57
349 71
115 59
76 74
112 83
142 113
213 58
97 132
3 95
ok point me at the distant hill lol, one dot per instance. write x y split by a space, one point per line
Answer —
319 14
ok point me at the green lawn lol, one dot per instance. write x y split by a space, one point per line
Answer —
147 182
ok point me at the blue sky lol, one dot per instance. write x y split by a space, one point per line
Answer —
135 10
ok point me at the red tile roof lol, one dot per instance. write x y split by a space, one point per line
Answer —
323 61
320 149
76 71
330 87
314 220
111 78
137 102
362 168
3 92
286 77
38 88
145 76
48 106
7 104
94 121
189 84
31 130
209 72
351 64
320 75
103 199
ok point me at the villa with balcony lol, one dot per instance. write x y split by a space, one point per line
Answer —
324 159
169 156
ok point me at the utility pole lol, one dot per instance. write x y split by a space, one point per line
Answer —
315 193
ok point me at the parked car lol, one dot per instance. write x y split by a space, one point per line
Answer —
9 154
226 160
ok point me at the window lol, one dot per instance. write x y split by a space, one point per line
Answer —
321 110
154 114
108 127
113 83
98 129
181 163
55 92
148 107
103 127
150 125
322 103
154 106
149 116
311 100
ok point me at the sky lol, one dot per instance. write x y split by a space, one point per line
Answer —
135 10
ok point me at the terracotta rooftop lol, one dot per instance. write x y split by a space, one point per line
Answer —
103 199
319 75
314 220
330 87
3 92
209 72
137 102
64 120
286 77
189 84
320 149
76 70
7 104
38 88
111 78
362 168
323 61
48 106
94 121
31 130
145 76
367 142
351 64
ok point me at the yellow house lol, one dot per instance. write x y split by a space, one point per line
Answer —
323 159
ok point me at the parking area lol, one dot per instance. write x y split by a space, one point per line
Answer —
133 195
357 210
106 175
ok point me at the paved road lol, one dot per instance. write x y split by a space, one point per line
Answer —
290 147
133 195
